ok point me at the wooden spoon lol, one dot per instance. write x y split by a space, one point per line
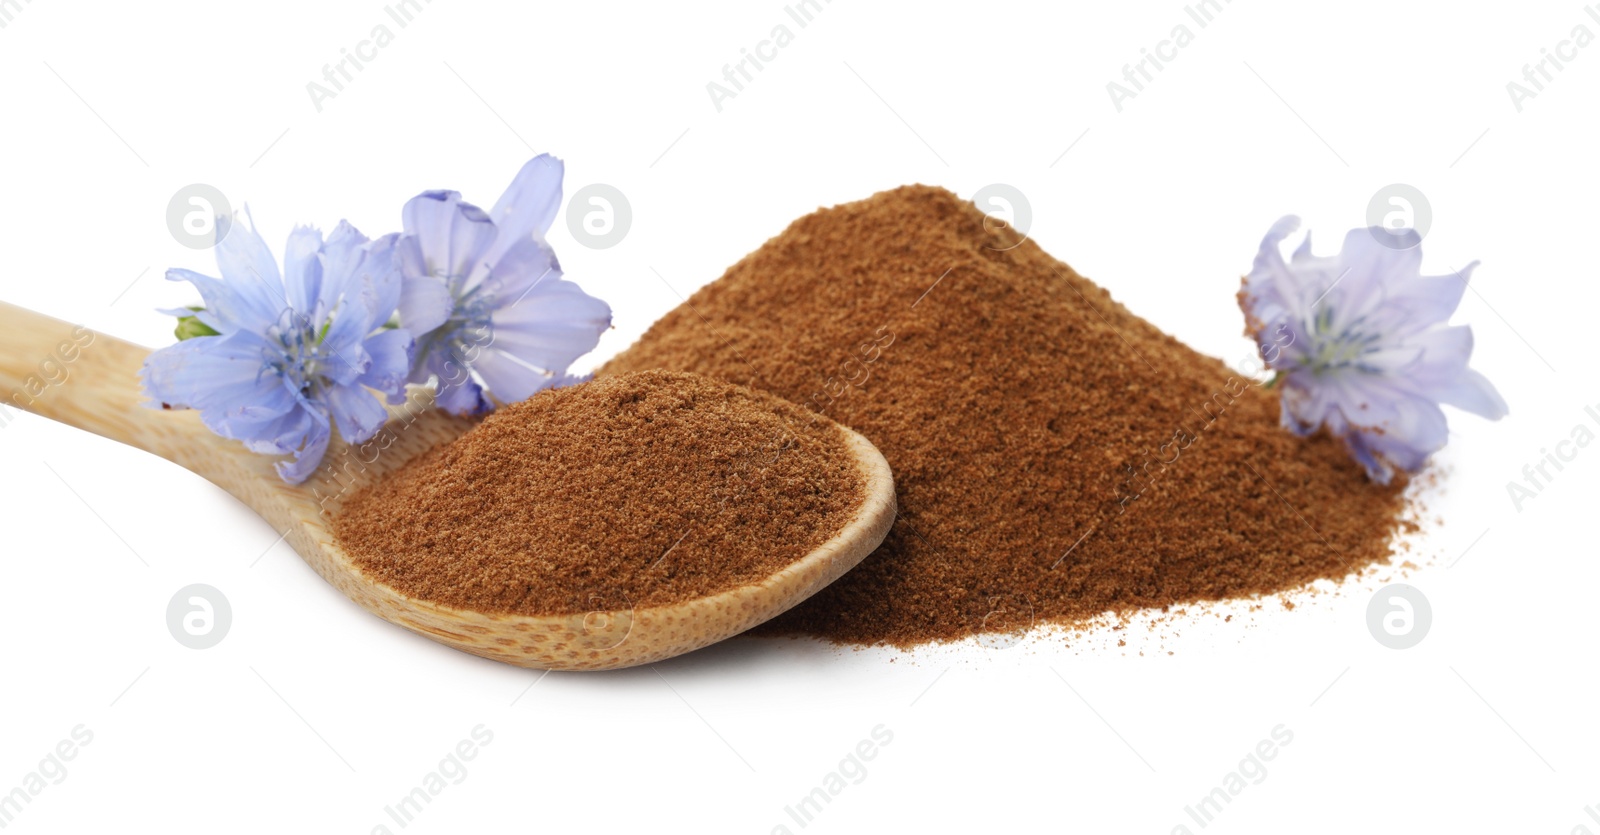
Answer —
89 380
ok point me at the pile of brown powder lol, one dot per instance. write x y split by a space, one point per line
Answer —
636 490
1056 456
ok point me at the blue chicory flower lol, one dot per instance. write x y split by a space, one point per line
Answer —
293 354
1362 344
485 296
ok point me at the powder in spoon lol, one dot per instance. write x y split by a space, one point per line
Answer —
1056 456
636 490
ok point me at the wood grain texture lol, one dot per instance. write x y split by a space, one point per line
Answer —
90 381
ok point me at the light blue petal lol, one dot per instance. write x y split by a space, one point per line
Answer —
1444 354
342 271
1382 425
382 270
1303 251
510 381
463 400
1270 278
391 353
1473 392
344 360
529 205
302 270
1369 267
1418 430
313 445
425 302
551 325
521 268
1393 359
225 310
452 236
208 371
279 434
1422 302
1305 403
458 393
357 414
249 269
246 420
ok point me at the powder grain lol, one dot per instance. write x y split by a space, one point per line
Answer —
1056 456
636 490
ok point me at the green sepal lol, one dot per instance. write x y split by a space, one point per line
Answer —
190 327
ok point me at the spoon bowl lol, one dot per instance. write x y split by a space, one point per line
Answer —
90 381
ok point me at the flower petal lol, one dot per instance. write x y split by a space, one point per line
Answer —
425 302
510 381
1427 300
1416 431
1368 267
1372 358
247 266
344 359
356 412
452 236
274 434
207 371
226 308
520 269
302 270
553 324
1443 355
313 445
529 205
1270 277
381 268
390 352
458 393
343 257
1473 392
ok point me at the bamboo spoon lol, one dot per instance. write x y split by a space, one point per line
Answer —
89 380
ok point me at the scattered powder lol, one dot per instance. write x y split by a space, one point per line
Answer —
636 490
1056 457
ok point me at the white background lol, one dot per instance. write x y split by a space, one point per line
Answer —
312 715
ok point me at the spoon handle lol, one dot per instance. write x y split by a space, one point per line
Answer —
72 374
